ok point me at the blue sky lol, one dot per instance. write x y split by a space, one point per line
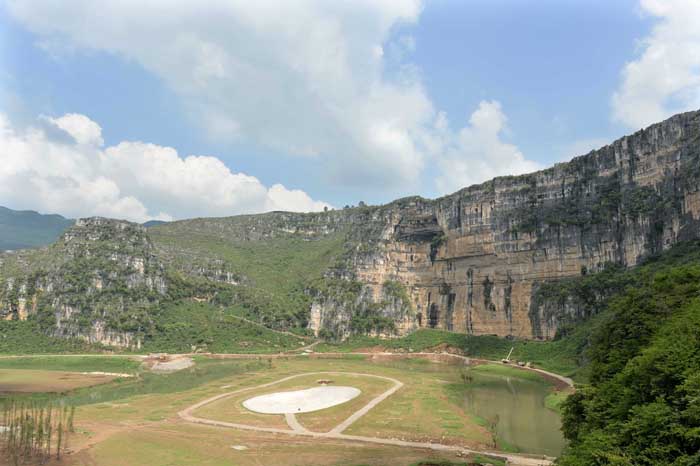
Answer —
552 64
426 97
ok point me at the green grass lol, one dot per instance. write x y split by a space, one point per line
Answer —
556 356
274 264
273 272
25 337
187 325
555 399
72 363
505 370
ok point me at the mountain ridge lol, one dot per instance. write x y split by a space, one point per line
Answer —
475 261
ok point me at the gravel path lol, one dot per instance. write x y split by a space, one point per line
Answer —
336 433
294 424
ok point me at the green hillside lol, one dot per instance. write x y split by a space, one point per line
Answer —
174 287
21 229
268 276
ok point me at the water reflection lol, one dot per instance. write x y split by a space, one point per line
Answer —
515 409
523 420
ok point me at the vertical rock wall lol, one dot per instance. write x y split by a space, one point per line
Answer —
471 260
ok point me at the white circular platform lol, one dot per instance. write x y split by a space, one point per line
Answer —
301 401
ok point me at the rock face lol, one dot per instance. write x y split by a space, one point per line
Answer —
472 261
96 283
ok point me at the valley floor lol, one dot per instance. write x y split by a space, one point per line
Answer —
146 420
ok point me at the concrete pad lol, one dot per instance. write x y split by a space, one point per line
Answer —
301 401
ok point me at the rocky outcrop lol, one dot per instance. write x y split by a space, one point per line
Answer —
96 283
345 307
472 261
476 261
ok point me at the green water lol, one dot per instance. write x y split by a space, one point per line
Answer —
513 406
515 409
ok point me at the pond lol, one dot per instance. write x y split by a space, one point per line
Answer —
514 408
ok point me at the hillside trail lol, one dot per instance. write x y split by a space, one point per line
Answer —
281 332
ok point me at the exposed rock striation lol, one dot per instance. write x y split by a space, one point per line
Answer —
96 283
476 261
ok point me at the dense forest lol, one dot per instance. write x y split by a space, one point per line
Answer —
642 403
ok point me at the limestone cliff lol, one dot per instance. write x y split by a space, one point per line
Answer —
476 261
473 261
96 283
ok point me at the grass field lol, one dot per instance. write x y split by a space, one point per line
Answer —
31 381
118 364
231 409
142 413
184 445
556 356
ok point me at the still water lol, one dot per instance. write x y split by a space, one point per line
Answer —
516 407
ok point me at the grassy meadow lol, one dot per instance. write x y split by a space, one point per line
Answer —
141 412
558 356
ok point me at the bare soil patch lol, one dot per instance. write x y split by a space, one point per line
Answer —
32 381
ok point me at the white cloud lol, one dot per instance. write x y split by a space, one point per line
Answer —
665 79
315 78
304 77
133 180
82 129
477 152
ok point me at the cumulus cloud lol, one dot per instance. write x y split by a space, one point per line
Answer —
477 152
665 78
319 79
82 129
304 77
76 176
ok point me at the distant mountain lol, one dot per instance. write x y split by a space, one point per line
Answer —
21 229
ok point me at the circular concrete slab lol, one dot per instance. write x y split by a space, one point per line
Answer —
301 401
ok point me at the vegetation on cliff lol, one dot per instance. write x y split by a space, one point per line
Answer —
26 337
174 287
187 326
267 274
355 312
